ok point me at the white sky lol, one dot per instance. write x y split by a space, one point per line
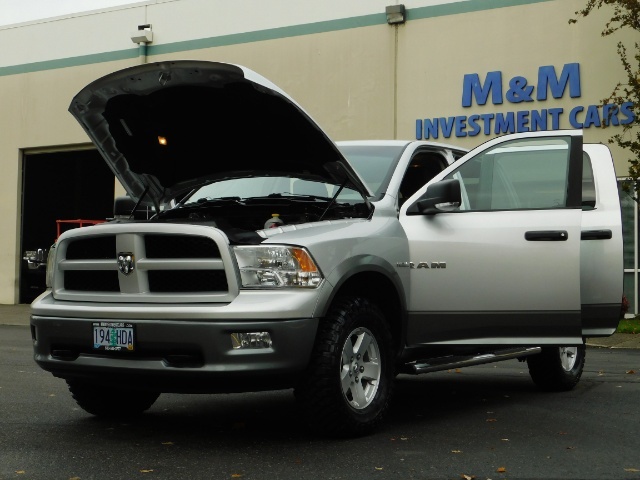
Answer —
18 11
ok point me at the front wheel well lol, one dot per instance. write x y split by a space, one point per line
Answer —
381 291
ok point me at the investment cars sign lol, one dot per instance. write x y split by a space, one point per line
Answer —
521 92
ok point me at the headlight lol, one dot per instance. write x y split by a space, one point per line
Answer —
276 266
51 263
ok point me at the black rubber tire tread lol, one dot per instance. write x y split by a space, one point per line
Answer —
320 392
109 403
547 373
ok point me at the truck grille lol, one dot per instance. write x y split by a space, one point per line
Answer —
187 281
90 281
95 247
178 246
167 267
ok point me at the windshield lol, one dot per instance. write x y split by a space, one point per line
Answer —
272 187
374 163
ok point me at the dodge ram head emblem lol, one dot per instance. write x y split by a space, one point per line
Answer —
126 263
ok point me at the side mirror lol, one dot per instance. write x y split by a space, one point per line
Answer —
443 196
36 259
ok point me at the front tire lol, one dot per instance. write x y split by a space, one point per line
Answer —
557 368
110 403
348 385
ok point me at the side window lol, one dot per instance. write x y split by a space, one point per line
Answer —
457 155
588 184
520 174
422 168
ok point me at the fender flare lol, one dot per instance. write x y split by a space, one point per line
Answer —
354 266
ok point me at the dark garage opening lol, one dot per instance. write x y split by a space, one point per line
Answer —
59 186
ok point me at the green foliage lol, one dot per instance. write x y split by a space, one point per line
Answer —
626 14
629 325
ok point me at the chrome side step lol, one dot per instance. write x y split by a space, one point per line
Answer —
446 363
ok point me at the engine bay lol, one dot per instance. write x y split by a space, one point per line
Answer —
241 219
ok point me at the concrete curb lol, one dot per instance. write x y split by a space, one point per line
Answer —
617 340
14 314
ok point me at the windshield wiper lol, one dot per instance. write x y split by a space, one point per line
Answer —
306 195
205 200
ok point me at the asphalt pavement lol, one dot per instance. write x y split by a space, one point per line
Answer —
19 315
486 421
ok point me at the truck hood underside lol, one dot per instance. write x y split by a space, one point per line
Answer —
168 127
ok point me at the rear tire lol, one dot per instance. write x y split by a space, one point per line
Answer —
557 368
108 403
348 385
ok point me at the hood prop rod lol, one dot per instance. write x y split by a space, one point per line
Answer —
156 207
333 199
348 178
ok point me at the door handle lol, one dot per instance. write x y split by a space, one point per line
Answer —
547 236
596 235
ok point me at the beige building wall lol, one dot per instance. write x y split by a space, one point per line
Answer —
339 87
436 53
356 75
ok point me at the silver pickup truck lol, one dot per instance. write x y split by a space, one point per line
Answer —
276 259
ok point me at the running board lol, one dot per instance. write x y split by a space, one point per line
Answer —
446 363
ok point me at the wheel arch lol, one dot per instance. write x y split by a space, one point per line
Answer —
373 281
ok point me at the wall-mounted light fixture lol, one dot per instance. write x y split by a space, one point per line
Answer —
142 35
396 14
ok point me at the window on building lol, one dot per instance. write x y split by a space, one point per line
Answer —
630 230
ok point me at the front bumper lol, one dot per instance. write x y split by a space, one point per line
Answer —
176 355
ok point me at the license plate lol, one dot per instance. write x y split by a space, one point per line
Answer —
113 336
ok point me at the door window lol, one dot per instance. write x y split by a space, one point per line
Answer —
423 167
517 175
588 184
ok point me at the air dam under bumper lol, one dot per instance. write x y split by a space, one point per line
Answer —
177 355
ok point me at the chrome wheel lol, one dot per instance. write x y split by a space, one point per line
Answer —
557 368
360 368
568 357
347 387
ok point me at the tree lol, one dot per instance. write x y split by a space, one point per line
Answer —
626 14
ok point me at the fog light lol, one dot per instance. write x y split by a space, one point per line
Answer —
250 340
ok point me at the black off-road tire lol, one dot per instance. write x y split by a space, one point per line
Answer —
107 403
557 369
346 391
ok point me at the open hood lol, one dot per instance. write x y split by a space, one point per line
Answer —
165 128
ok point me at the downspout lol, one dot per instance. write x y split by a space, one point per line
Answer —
142 53
396 16
395 85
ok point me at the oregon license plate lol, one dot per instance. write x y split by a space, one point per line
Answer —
113 336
